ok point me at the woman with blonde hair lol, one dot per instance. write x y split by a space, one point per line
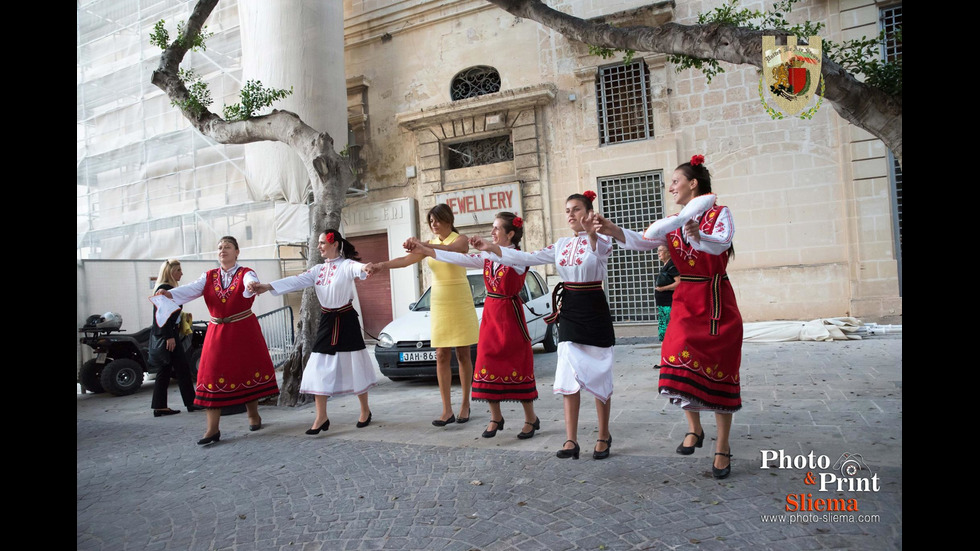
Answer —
167 350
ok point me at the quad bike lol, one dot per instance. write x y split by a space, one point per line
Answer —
120 360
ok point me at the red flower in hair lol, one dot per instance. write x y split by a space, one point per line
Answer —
330 237
697 160
518 222
590 195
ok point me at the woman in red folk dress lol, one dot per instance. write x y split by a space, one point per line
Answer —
504 369
235 365
702 351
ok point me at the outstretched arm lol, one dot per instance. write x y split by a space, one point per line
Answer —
483 245
459 245
606 226
401 262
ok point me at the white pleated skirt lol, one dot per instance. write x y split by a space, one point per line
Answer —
338 374
584 366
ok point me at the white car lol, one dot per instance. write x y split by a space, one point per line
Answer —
404 351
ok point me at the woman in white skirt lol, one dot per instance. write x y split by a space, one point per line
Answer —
585 353
340 363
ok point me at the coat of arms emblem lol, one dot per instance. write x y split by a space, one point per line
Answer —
792 73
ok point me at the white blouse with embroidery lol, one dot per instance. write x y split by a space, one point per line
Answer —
475 260
716 242
573 256
193 290
333 281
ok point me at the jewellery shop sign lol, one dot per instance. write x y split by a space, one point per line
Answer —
480 205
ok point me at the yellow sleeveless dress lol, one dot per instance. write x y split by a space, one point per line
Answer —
453 318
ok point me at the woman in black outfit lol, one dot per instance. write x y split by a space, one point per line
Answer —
167 351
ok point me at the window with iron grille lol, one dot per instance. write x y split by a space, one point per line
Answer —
891 21
479 152
632 201
623 103
473 82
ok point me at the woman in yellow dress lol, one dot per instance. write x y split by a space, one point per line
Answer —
453 316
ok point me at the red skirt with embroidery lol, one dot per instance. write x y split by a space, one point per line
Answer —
700 363
504 368
235 364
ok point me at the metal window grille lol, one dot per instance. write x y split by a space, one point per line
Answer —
623 101
277 328
891 21
896 181
475 81
479 152
633 201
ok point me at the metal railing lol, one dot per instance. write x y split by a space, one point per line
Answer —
277 328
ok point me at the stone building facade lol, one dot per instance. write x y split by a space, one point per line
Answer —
458 101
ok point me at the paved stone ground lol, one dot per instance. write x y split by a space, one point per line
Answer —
400 483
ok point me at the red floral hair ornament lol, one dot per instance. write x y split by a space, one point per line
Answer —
518 222
590 194
330 237
697 160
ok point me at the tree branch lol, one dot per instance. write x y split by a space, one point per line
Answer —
330 173
862 105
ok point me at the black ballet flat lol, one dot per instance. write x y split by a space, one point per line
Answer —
323 427
492 433
363 424
604 453
254 428
165 412
688 450
462 419
441 423
722 473
210 439
536 425
573 453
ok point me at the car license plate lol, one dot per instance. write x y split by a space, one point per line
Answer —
429 356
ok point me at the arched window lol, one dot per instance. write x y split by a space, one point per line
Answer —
475 81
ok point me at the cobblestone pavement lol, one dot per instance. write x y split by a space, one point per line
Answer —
400 483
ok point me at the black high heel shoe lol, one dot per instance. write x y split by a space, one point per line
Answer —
361 425
536 425
604 453
210 439
323 427
492 433
441 423
573 453
722 473
688 450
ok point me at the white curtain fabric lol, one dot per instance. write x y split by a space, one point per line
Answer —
826 329
297 43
